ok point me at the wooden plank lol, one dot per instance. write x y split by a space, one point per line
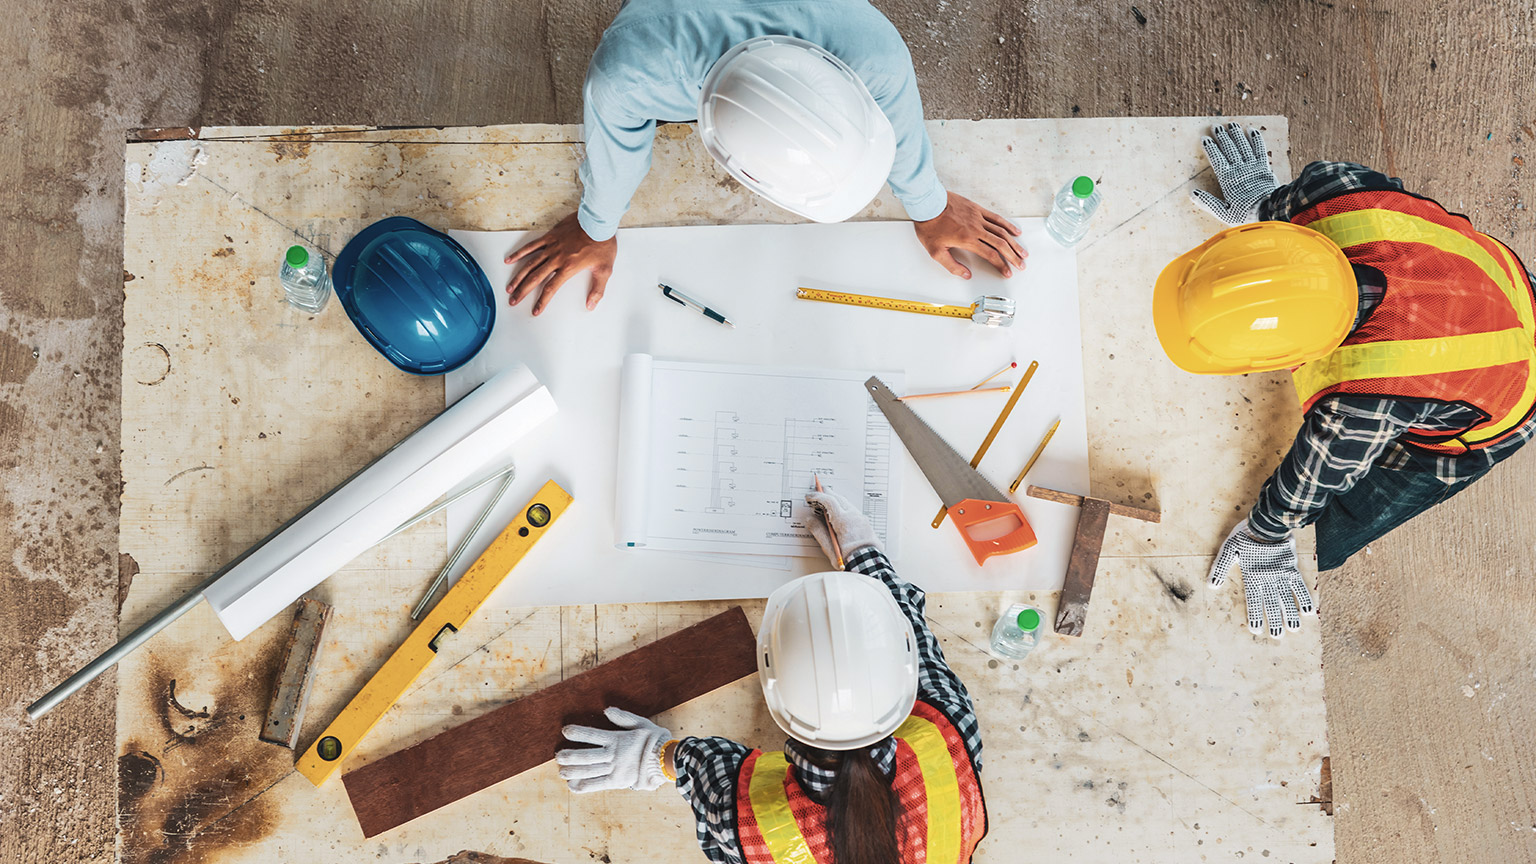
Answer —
290 692
526 733
1142 513
1078 587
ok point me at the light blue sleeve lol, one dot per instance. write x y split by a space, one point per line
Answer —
618 142
913 179
648 68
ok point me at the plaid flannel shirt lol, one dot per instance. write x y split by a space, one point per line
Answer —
1344 436
707 768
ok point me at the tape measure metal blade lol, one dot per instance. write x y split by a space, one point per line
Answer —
894 304
450 614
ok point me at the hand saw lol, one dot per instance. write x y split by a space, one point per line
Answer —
413 656
989 523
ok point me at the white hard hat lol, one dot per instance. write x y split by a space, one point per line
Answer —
795 125
837 659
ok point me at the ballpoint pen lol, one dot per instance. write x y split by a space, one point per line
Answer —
682 299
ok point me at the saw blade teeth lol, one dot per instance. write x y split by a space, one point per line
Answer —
885 399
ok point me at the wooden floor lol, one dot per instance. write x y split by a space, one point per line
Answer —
1428 657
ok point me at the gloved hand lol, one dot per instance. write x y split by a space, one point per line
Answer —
625 758
853 530
1241 164
1272 583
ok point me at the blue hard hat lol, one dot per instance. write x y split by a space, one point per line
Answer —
415 295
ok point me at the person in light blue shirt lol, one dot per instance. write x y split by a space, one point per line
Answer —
661 60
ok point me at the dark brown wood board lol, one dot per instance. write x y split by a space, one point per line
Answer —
526 733
1077 588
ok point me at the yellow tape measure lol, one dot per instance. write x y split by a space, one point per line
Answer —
891 303
413 656
990 311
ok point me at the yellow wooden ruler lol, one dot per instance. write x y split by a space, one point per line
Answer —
414 655
988 310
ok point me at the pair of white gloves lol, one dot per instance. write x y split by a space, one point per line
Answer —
631 756
1272 583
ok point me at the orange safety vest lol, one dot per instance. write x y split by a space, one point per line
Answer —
1457 322
942 817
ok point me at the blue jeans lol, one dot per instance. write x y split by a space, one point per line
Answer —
1382 500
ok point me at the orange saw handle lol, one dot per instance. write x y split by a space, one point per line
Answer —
992 527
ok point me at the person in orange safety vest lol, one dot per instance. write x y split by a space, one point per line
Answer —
1411 340
884 754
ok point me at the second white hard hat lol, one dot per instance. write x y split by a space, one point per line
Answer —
837 659
796 125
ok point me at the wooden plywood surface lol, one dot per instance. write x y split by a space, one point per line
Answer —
252 410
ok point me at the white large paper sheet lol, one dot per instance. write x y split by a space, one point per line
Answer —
750 274
718 457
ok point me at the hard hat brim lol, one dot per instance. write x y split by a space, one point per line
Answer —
1166 318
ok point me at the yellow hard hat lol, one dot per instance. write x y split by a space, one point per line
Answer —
1254 298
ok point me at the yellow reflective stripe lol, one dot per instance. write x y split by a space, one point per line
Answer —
1429 356
1527 398
1369 226
941 786
770 806
1411 358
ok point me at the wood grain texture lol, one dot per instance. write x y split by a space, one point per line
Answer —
1143 513
526 733
1077 589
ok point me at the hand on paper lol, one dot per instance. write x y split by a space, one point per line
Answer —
550 260
853 530
1272 583
625 758
964 224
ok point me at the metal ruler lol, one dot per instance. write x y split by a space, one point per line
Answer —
413 656
988 310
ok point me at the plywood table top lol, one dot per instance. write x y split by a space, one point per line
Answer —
1167 732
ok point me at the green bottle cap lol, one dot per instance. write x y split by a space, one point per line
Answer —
1029 619
298 256
1082 187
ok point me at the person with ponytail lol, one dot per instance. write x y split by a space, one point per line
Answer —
883 759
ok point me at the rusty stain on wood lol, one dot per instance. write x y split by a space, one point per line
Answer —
208 797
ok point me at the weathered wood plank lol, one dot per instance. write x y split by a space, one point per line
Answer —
525 734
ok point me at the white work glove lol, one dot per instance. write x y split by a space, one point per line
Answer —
1241 164
1272 583
853 529
625 758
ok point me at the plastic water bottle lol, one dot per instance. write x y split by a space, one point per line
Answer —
305 281
1017 632
1074 206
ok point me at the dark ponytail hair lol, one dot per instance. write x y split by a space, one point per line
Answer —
862 811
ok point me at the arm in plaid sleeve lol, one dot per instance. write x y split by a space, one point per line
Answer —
706 776
937 684
1341 438
1320 181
